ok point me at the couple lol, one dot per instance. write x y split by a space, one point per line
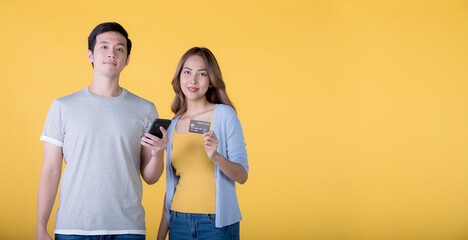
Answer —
100 132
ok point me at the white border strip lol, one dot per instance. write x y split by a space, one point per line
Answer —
51 140
98 232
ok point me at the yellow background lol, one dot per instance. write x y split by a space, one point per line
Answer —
354 112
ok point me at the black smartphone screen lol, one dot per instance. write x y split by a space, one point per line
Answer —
158 122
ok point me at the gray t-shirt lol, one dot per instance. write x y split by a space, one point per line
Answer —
101 188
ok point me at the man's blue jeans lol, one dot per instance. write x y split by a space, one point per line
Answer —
199 226
100 237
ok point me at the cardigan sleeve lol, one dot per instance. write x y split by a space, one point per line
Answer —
236 151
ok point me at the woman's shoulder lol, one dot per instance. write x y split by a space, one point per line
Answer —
226 115
175 119
225 110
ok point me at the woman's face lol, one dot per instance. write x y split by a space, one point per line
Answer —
194 80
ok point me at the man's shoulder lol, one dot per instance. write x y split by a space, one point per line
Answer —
70 98
138 99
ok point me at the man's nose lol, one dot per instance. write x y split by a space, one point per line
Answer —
111 53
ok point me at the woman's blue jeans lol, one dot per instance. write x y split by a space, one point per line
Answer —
199 226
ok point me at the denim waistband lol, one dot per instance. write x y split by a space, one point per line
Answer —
171 212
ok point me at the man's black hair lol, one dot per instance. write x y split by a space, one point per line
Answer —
108 27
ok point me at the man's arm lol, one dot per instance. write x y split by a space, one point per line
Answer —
152 156
152 166
48 185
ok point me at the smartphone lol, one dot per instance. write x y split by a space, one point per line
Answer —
158 122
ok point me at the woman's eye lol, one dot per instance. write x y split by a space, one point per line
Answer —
203 74
104 47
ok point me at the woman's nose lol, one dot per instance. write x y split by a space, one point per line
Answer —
193 80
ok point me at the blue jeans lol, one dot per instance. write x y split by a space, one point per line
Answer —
100 237
199 226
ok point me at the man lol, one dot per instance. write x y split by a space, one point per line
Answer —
98 131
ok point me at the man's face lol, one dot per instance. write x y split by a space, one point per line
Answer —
110 54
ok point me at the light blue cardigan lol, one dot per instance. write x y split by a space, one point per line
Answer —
226 125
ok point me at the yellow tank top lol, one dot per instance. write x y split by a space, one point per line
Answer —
195 192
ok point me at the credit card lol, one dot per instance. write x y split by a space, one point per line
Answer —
199 126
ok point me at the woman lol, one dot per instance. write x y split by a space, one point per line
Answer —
202 169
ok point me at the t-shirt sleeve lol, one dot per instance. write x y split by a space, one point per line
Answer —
53 131
153 114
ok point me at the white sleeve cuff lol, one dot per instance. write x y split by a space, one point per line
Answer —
51 140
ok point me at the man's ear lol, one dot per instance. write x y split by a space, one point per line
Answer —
90 56
128 60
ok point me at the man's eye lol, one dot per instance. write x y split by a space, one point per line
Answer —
104 47
120 49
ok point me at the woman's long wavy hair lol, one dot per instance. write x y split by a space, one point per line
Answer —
216 93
